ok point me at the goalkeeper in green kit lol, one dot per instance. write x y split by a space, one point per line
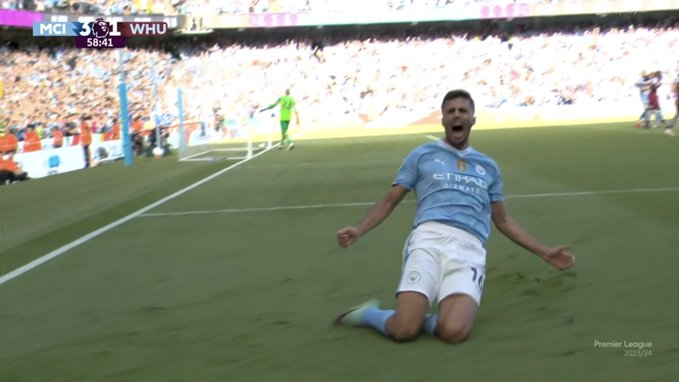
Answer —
287 105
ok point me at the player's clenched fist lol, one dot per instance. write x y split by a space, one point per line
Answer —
347 236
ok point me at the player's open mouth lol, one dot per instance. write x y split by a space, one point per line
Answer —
458 128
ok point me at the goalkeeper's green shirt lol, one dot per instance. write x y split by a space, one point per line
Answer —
287 104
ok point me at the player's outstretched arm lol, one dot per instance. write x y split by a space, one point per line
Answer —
270 106
349 235
558 256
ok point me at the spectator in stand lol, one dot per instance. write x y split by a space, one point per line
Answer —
86 138
8 141
137 135
114 133
58 137
31 140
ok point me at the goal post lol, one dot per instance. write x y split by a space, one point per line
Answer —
226 138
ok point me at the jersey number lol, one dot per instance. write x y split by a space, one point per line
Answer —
477 278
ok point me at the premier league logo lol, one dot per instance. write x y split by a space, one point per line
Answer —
99 34
100 28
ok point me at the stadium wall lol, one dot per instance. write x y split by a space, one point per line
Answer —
70 157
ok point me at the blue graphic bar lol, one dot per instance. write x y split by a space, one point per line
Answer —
50 29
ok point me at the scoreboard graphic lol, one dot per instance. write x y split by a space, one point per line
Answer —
100 33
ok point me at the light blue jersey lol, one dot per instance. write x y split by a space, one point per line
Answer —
453 187
644 86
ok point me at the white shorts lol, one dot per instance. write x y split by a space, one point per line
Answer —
441 260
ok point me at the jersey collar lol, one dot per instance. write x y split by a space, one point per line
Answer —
441 142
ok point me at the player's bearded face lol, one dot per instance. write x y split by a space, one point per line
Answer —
458 119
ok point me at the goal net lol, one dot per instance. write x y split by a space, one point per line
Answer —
215 139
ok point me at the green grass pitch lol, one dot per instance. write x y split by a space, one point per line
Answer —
218 285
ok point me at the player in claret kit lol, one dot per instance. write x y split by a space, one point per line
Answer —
654 102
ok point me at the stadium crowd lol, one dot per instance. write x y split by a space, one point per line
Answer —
92 7
355 79
299 6
172 7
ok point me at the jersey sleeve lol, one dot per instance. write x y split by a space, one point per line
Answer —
275 103
495 192
407 173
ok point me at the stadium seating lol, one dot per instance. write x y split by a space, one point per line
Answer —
174 7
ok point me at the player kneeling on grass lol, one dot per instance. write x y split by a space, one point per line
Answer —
459 190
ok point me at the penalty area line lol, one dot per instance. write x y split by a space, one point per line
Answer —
64 248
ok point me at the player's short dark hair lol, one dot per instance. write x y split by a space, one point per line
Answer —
458 93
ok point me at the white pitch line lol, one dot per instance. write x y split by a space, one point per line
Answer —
260 209
434 138
363 204
602 192
43 259
326 164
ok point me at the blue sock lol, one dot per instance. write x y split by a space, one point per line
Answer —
377 318
430 321
647 120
